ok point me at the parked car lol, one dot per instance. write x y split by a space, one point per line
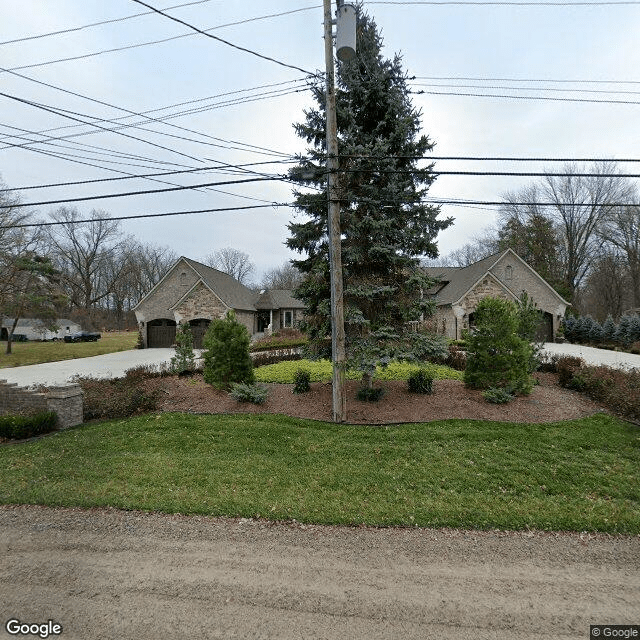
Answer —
19 337
82 336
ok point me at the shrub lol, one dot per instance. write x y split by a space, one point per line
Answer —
18 427
420 382
498 356
617 389
255 393
183 359
226 356
118 397
457 357
567 367
497 396
370 394
302 381
147 371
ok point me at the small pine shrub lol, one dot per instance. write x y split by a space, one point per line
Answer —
18 427
302 381
498 356
497 396
420 382
370 394
184 358
226 355
255 393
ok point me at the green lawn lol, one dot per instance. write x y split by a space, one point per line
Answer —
579 475
37 352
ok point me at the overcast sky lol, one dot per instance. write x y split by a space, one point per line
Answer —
572 72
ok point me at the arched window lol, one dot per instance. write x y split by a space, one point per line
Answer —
508 273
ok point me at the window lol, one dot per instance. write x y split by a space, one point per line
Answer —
183 279
288 319
508 273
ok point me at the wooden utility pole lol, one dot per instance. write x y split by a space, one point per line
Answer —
335 249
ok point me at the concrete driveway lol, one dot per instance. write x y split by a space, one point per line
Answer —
110 365
593 356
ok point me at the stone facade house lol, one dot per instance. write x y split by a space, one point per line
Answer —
503 275
195 293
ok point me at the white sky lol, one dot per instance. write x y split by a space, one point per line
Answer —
522 43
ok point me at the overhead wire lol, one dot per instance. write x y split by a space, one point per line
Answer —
148 215
128 111
230 44
141 192
96 24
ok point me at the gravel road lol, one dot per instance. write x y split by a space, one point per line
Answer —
112 574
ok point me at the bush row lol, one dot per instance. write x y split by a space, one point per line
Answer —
617 389
26 426
586 330
118 397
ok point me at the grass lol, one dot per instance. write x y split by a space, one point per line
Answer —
320 371
38 352
579 475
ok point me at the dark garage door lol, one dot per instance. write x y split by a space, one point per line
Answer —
198 329
161 333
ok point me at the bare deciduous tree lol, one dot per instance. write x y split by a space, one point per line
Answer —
580 203
232 261
86 254
284 277
621 229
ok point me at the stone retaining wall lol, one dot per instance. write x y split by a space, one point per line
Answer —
65 400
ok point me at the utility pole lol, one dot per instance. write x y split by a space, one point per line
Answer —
335 250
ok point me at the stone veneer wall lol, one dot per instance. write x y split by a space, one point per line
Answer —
65 400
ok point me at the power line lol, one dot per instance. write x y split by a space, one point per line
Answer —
149 215
133 113
141 176
230 44
550 80
483 3
65 114
147 13
549 98
96 24
505 88
140 193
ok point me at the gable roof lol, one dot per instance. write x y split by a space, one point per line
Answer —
232 292
458 281
278 299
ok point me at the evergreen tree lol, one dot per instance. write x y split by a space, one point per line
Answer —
226 355
183 360
609 329
497 356
386 226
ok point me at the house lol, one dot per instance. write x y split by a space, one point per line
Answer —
195 293
34 329
503 275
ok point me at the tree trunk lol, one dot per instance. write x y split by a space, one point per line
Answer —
10 335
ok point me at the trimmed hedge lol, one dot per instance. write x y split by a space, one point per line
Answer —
18 427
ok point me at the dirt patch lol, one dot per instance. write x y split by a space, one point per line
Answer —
451 400
105 574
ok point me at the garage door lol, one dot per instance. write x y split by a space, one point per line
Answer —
198 329
161 333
